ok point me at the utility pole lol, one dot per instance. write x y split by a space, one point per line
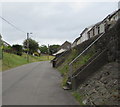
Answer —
28 47
1 47
48 51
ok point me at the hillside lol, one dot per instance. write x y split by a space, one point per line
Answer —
11 60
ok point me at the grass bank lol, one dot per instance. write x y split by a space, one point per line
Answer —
78 97
11 60
64 68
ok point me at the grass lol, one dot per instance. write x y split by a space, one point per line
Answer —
0 59
78 97
36 59
12 60
64 68
0 65
0 53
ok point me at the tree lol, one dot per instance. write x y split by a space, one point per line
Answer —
53 49
17 49
44 49
33 45
7 49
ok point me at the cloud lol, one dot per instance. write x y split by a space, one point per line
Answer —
52 22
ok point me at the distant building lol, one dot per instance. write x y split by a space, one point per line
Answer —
64 47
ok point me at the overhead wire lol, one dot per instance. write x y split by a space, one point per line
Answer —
12 25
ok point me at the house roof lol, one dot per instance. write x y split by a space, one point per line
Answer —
76 40
84 31
66 42
60 51
107 17
113 13
65 45
92 26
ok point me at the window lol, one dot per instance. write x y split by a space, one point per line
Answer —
98 30
93 32
88 34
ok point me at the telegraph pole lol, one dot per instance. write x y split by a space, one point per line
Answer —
28 47
1 47
48 51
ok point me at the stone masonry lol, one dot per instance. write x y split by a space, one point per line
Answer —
102 88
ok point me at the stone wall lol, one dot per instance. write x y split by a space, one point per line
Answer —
102 87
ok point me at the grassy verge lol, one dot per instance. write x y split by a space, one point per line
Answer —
64 68
78 97
0 65
12 60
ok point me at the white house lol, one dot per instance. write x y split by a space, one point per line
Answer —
84 35
75 43
98 28
113 17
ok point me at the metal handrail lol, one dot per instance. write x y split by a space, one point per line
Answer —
88 64
86 49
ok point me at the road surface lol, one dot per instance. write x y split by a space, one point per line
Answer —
34 84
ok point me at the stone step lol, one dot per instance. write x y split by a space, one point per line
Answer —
66 88
69 83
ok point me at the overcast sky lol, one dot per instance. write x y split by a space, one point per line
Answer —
51 22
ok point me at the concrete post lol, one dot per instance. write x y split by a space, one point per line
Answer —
74 83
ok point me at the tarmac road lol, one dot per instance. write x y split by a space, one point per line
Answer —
34 84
